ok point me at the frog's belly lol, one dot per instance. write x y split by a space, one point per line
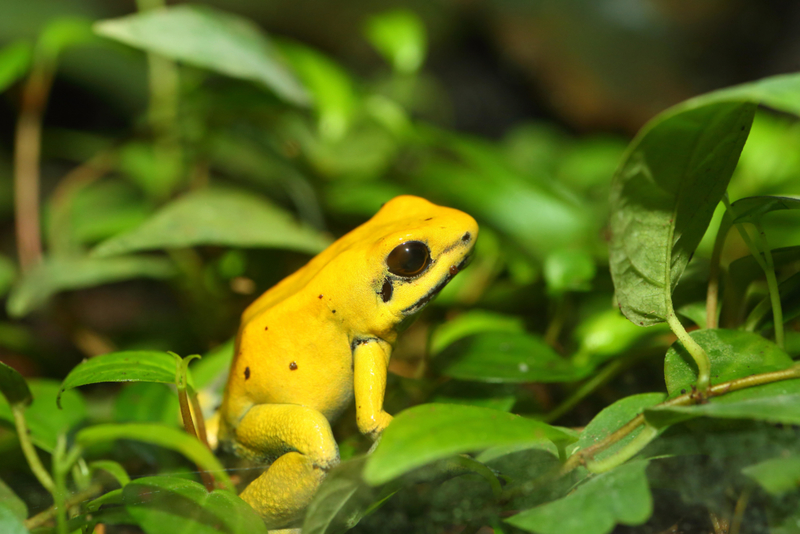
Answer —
323 382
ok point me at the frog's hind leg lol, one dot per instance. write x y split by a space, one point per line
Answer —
282 492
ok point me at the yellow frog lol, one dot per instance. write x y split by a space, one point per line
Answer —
323 335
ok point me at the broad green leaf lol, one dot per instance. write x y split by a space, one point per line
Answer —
733 354
13 386
663 196
15 59
126 366
430 432
163 436
538 216
612 418
211 39
115 469
472 322
9 522
400 37
342 500
621 496
775 403
12 503
147 402
505 357
179 506
215 216
65 274
568 270
45 421
606 335
330 86
751 209
777 475
669 182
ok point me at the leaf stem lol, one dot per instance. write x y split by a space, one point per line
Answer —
43 517
584 456
712 294
29 451
605 374
696 351
27 152
772 284
627 452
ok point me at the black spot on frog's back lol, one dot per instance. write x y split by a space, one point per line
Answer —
387 290
246 373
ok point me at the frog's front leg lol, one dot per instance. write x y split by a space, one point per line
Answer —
370 362
304 440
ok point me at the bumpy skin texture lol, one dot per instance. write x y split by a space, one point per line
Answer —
323 336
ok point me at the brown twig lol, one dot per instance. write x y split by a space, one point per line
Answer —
27 152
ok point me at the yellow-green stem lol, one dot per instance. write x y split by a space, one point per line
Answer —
696 351
772 284
29 450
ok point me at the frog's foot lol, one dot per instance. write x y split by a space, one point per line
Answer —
282 493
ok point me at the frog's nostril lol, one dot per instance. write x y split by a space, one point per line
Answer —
466 237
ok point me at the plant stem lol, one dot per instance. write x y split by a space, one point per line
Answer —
27 152
627 452
43 517
772 284
738 511
60 492
712 295
605 374
29 451
696 351
585 455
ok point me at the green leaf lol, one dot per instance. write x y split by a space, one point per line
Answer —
11 502
170 438
663 196
505 357
180 506
777 475
147 402
430 432
606 335
751 209
568 270
61 33
208 38
9 522
215 216
342 500
472 322
620 496
330 86
126 366
45 421
670 180
733 354
399 35
613 417
115 469
64 274
13 386
15 60
775 403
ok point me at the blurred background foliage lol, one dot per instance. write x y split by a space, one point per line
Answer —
174 192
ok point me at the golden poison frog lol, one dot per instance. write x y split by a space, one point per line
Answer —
323 336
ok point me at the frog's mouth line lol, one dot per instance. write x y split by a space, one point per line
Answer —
430 295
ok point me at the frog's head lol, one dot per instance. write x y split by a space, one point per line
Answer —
408 252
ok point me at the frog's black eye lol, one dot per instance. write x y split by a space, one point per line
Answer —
408 259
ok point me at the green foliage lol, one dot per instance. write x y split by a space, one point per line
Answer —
256 151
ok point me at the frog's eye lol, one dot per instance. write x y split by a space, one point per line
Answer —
408 259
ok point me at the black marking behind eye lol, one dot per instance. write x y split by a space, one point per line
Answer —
386 290
466 237
246 373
